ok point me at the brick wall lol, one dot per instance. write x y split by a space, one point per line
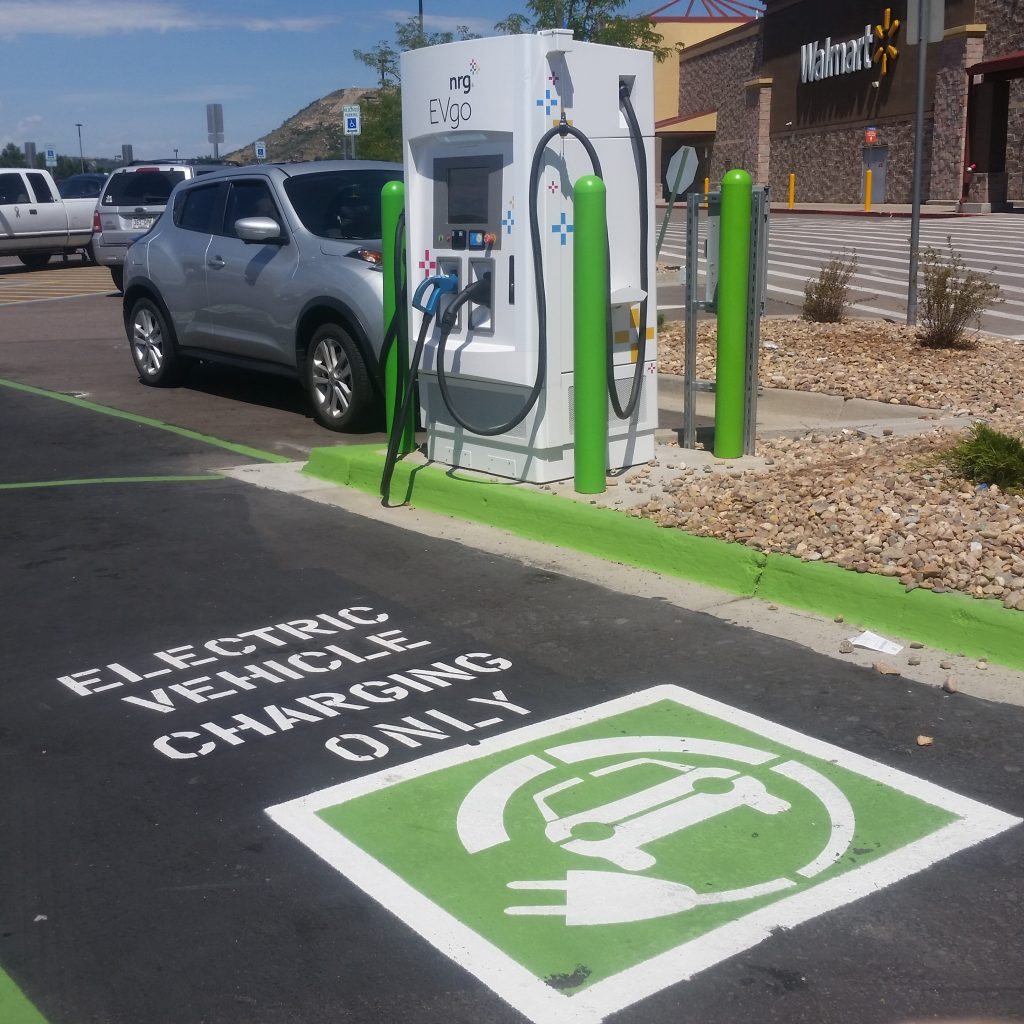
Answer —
955 56
829 165
1005 22
714 81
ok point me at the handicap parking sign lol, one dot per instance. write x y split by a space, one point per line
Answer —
578 865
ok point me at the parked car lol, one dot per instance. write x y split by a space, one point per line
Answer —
132 199
275 267
36 222
82 186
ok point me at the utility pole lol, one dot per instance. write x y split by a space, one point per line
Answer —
81 159
421 20
915 196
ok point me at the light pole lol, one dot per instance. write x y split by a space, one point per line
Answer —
78 125
175 154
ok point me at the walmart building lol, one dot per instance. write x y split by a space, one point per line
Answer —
826 90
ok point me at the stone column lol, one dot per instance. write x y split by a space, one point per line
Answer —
759 104
961 47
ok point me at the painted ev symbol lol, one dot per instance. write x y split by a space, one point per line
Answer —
618 831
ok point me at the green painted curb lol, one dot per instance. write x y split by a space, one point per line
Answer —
949 621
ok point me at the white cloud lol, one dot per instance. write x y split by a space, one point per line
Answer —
101 18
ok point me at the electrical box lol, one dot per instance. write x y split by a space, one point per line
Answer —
473 113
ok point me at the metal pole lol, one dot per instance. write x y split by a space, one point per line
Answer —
81 159
590 368
867 190
421 20
792 191
733 296
915 198
396 366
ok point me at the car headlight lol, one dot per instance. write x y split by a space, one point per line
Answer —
372 256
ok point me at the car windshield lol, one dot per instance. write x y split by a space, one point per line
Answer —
81 186
340 204
143 187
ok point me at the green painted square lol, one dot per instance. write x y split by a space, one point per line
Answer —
654 835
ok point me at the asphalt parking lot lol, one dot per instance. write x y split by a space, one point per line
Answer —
269 761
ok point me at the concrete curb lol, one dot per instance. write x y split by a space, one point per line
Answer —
949 621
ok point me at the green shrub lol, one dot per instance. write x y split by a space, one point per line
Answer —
951 299
827 295
986 456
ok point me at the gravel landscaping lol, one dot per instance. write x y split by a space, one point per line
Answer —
871 504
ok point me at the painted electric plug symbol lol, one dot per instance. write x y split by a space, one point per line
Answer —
606 897
624 826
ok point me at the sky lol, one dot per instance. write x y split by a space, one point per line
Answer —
142 71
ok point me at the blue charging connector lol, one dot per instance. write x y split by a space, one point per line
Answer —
443 284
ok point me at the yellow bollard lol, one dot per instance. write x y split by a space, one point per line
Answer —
867 190
707 187
792 190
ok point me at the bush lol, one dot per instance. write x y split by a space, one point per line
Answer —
827 295
952 298
987 456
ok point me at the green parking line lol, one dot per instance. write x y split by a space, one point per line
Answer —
216 442
14 1007
30 484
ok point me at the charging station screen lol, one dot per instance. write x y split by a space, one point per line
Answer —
467 195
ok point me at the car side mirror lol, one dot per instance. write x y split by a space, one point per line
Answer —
260 231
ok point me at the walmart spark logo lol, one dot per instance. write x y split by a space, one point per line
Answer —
885 34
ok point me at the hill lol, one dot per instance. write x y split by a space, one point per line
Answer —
314 133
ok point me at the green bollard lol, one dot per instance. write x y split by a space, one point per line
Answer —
396 367
590 291
733 295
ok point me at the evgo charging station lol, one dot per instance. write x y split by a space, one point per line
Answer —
497 134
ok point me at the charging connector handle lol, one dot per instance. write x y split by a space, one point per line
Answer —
443 284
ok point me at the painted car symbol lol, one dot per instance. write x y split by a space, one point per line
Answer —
617 831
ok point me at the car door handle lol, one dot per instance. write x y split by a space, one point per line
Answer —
216 262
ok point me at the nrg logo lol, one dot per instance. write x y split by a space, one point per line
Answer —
451 110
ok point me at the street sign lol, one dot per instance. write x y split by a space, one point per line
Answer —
935 27
579 864
682 168
352 119
51 156
261 150
870 136
214 122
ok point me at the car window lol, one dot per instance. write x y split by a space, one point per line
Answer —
143 187
340 204
12 189
41 187
248 198
80 187
195 208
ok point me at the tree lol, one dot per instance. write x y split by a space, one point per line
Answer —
12 156
593 21
382 126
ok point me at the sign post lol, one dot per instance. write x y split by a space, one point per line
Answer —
682 169
352 120
215 126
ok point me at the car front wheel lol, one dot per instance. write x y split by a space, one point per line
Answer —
336 379
152 345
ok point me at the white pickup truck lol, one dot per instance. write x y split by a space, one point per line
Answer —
35 222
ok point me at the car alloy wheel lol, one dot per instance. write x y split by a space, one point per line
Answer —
337 380
152 345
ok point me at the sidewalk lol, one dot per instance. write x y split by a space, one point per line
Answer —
732 580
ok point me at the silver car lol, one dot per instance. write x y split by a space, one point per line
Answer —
274 267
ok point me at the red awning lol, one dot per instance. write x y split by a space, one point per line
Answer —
1011 64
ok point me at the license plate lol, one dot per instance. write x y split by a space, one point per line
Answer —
142 223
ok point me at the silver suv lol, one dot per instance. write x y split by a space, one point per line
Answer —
131 200
274 267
